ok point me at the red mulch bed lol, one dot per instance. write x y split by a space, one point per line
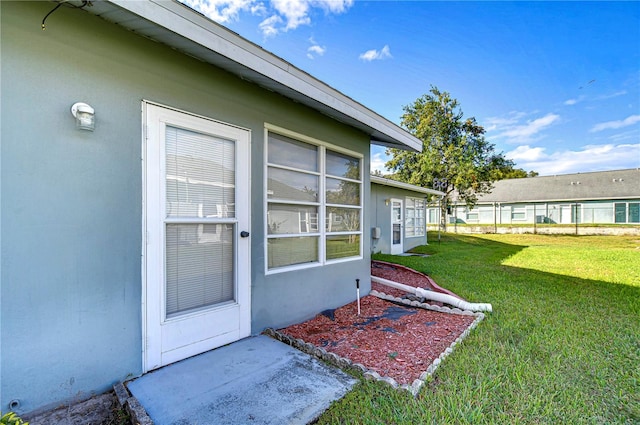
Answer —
404 275
394 340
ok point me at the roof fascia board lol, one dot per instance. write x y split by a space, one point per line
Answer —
406 186
185 22
548 201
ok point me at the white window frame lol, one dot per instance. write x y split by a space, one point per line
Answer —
410 204
518 210
322 205
470 213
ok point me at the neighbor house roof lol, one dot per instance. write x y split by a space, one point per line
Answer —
617 184
406 186
182 28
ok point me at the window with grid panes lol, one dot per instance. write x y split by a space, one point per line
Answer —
314 203
414 217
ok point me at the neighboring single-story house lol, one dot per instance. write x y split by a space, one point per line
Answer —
603 197
202 190
398 212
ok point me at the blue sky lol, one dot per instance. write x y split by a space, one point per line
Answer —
556 85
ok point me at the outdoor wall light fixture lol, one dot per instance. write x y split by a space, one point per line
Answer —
387 202
85 116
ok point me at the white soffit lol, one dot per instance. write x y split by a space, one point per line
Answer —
406 186
178 26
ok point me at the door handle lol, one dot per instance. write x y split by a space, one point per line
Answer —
244 234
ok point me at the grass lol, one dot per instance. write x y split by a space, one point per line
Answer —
561 346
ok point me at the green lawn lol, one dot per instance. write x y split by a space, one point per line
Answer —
562 345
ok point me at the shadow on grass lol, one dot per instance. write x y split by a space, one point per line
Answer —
556 348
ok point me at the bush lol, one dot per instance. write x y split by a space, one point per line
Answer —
11 419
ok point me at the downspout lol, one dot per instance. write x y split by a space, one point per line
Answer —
495 219
434 296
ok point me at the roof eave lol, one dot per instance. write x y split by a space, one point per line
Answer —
182 28
405 186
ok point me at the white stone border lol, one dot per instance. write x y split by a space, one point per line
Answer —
369 374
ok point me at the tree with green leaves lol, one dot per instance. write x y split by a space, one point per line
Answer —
455 155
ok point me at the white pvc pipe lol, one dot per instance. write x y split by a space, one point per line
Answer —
434 296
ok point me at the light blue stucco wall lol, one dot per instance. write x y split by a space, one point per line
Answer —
381 217
71 219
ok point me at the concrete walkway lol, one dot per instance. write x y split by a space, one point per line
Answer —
257 380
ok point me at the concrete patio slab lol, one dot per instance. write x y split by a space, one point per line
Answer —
257 380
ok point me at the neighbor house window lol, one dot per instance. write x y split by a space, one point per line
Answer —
314 203
627 212
621 212
518 213
472 215
414 217
634 212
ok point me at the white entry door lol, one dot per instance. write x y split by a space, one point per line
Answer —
196 260
565 214
396 226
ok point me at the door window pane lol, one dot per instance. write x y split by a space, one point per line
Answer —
199 266
397 237
292 153
397 211
200 174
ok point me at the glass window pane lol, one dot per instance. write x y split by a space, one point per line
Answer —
288 219
342 219
621 213
292 185
342 165
289 251
200 175
341 246
634 212
342 192
292 153
396 213
199 269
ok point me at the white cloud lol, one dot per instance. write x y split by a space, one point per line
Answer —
526 153
571 101
612 95
500 123
588 158
370 55
333 6
258 9
269 26
315 50
377 162
285 15
295 12
221 11
518 133
630 120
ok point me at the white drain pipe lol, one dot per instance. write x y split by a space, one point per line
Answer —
434 296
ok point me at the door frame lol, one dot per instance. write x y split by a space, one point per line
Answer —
397 248
242 255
